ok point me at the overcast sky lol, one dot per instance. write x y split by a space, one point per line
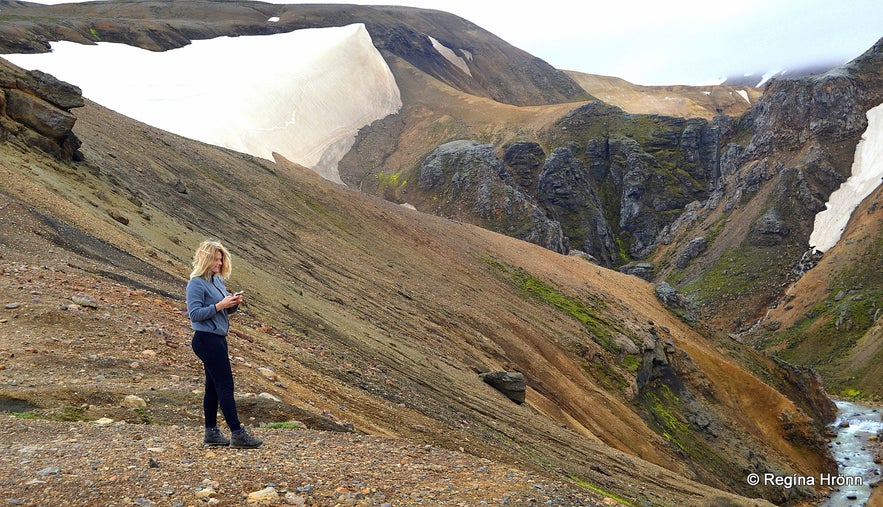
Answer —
657 42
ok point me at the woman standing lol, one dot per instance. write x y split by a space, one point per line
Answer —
208 305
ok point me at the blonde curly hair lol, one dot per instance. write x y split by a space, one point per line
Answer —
204 258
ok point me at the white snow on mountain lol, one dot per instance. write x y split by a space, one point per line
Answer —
303 94
450 56
867 173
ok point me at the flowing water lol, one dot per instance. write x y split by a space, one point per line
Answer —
850 448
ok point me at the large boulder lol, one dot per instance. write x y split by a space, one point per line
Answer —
35 110
511 384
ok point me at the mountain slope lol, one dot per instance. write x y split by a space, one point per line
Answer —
676 100
382 318
497 70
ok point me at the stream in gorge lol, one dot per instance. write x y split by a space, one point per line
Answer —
855 424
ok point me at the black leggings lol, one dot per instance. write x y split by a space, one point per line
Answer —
212 351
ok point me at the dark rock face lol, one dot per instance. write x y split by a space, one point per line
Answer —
34 110
792 112
474 186
642 270
693 249
769 230
524 161
566 193
511 384
615 182
644 171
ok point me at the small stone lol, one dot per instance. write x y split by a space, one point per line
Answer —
268 396
264 496
118 215
48 471
104 421
84 300
133 401
12 306
206 492
293 499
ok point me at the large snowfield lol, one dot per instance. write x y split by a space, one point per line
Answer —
303 94
867 173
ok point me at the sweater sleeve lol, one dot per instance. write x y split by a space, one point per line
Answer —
198 309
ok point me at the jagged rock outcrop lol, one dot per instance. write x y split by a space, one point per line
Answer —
615 182
768 230
524 160
640 269
473 185
780 162
567 195
693 249
644 169
35 110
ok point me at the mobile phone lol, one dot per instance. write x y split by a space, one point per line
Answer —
237 293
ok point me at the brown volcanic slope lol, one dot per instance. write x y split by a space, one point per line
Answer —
674 100
372 314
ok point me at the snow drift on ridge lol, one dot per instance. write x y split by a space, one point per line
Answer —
867 171
303 94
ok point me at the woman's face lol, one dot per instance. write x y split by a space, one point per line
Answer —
218 262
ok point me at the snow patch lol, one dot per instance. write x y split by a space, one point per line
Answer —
867 172
274 19
744 95
450 56
303 94
767 76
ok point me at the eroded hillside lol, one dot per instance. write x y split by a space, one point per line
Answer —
371 315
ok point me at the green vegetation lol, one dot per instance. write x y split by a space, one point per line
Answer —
854 394
596 489
827 334
143 415
662 404
664 413
69 414
24 415
284 425
631 362
393 181
94 33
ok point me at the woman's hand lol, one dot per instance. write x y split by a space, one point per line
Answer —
228 302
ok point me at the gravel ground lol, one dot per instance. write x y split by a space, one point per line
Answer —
85 463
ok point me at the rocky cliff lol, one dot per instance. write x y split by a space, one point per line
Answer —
35 110
615 182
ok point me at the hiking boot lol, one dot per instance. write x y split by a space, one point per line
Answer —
213 437
240 439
